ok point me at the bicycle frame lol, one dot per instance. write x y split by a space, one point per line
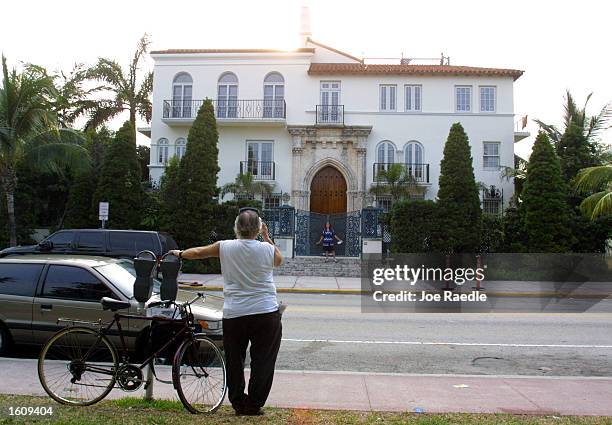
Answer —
185 329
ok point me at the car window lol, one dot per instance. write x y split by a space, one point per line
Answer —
19 279
168 243
61 239
74 283
91 241
132 242
122 275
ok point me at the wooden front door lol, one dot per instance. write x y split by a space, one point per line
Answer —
328 192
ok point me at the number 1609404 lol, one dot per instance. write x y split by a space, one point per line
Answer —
30 411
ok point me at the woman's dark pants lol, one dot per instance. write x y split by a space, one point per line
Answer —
264 331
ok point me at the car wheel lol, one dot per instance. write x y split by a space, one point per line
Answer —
5 340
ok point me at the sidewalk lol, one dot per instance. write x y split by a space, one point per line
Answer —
394 392
352 285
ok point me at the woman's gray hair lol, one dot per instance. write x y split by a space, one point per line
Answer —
247 225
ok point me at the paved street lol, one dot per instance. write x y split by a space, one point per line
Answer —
328 332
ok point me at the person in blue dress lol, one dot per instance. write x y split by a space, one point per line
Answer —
329 238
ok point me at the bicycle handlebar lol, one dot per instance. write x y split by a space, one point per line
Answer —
168 303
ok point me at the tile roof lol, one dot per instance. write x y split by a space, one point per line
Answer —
359 68
194 51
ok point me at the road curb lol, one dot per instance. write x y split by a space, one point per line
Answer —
217 288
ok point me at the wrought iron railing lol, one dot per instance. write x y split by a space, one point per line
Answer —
330 114
261 170
263 109
492 200
418 171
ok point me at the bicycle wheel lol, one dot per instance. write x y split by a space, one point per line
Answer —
199 375
77 366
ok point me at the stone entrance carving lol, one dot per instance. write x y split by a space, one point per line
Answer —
315 148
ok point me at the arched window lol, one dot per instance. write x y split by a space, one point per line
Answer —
182 87
385 153
227 96
180 147
413 158
162 151
385 156
274 96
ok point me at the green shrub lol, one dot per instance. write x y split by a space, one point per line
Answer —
412 225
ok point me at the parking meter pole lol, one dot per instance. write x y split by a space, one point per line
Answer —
149 384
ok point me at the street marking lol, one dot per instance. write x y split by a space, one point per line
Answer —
460 344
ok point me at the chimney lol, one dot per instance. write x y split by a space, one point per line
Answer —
304 25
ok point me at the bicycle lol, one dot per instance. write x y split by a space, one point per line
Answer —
80 365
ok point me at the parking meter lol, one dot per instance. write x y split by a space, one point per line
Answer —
169 266
143 286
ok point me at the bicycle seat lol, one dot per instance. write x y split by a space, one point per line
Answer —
114 305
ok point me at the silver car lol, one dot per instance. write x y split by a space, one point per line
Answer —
37 290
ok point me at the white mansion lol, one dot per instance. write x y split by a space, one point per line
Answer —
320 123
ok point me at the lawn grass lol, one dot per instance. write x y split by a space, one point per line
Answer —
136 411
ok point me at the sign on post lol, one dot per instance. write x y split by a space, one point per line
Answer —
103 212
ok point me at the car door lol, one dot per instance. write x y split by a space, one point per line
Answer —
68 291
18 282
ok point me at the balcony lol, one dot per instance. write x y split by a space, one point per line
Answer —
227 111
332 115
260 170
419 172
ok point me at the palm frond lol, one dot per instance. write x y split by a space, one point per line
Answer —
56 150
593 178
109 71
600 122
597 204
551 131
103 112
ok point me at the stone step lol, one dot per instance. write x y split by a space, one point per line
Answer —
317 266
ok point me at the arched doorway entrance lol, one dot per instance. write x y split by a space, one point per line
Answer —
328 192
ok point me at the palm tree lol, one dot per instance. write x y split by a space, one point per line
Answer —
518 173
128 95
596 181
590 126
28 132
577 145
246 185
72 100
396 181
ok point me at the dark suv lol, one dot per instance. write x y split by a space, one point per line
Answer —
111 243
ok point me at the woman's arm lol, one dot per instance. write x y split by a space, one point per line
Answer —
278 257
197 253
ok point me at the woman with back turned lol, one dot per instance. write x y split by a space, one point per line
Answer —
250 308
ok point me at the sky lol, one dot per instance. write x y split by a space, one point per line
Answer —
561 45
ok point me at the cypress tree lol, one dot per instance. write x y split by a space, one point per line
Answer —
119 181
80 211
169 191
544 209
459 205
198 180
